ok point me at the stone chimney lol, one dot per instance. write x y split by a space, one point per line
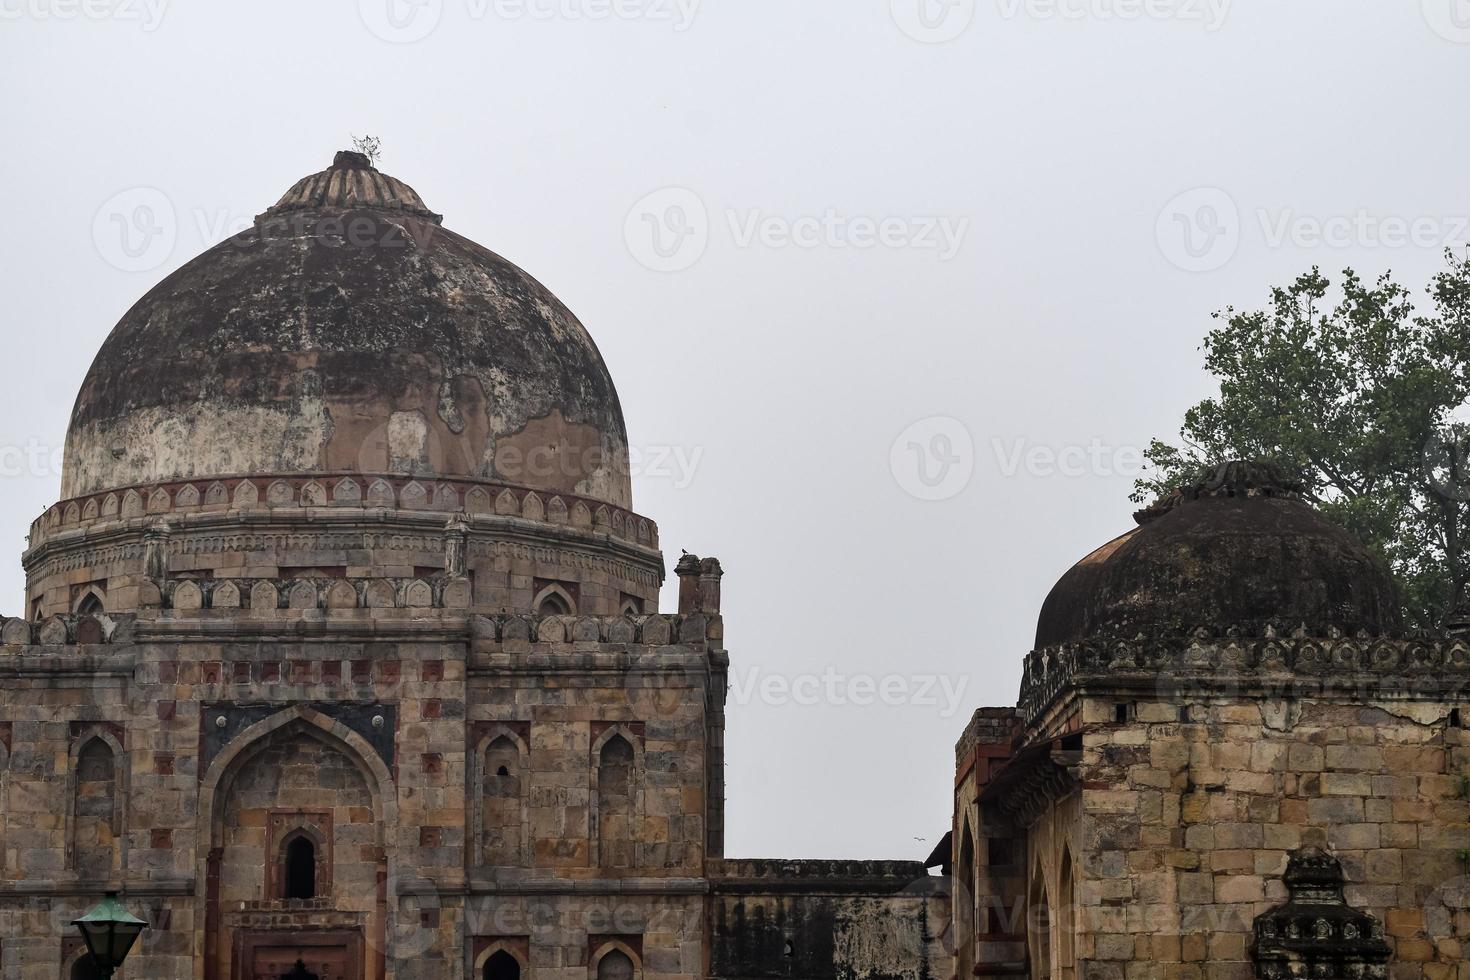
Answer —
710 574
688 571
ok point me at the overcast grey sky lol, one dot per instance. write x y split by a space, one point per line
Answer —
905 284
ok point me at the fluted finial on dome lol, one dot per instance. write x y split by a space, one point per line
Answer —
1235 478
352 183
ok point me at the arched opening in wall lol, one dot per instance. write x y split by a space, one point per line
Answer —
1038 925
553 600
1065 919
85 968
615 965
91 604
293 773
94 810
630 608
553 604
615 788
502 966
964 899
501 829
300 868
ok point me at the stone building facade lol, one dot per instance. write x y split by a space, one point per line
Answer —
1229 760
343 656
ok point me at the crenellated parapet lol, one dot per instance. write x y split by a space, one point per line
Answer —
400 544
1335 664
342 491
16 635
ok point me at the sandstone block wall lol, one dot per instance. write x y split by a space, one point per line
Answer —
368 730
1190 812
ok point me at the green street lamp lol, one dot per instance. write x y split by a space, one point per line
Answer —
109 931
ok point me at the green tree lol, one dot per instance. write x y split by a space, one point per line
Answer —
1357 399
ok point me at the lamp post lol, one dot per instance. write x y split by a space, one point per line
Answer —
109 931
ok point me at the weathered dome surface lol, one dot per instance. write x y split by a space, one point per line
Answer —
348 331
1240 549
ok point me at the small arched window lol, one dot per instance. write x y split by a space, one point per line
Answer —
616 965
91 605
502 966
552 604
300 868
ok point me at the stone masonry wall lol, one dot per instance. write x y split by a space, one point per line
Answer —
1191 810
359 713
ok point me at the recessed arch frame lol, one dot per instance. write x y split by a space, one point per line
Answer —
477 791
209 825
594 821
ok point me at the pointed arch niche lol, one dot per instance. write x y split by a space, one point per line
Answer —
498 796
616 795
97 794
308 779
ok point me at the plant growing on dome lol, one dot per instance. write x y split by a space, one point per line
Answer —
369 146
1360 396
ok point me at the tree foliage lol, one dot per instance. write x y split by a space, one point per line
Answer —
1355 395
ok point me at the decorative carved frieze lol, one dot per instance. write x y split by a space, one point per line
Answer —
1281 665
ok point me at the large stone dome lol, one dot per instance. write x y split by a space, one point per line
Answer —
349 332
1240 549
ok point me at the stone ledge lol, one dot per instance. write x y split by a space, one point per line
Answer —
1299 666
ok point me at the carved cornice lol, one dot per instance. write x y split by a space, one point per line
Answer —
328 492
298 529
1201 662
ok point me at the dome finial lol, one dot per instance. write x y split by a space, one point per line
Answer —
1232 478
352 160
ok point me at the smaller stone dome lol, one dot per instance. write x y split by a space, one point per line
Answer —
1239 549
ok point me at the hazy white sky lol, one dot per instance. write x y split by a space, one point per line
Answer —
893 292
